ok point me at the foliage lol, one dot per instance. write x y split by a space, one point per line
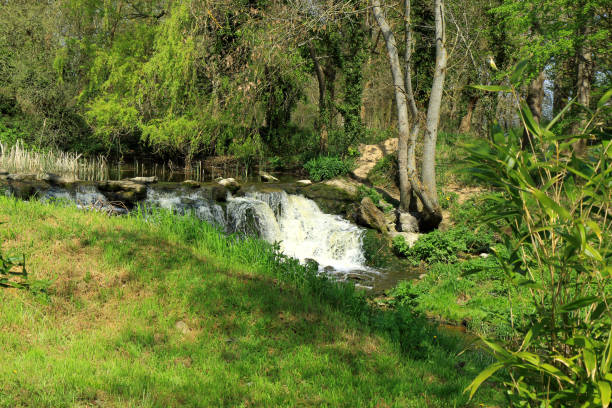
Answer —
326 167
385 172
555 221
447 199
443 246
375 196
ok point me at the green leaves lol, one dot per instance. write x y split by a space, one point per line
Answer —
492 88
554 220
482 377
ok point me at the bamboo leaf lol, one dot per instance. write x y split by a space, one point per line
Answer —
482 377
604 393
518 71
578 304
492 88
604 99
549 204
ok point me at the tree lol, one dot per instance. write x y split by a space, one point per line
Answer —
425 187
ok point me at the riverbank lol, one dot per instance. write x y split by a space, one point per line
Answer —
166 311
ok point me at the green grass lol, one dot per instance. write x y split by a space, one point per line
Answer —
161 310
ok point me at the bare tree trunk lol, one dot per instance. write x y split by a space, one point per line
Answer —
408 180
466 122
535 97
583 91
433 118
414 112
323 111
400 103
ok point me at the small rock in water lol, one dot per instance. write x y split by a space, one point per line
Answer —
144 180
356 277
329 270
267 177
309 261
303 182
191 183
230 183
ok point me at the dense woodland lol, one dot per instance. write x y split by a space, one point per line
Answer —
502 110
262 78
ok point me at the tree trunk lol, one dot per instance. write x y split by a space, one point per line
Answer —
410 180
433 120
400 103
323 111
466 122
583 92
535 97
410 100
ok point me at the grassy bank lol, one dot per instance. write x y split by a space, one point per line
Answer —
166 311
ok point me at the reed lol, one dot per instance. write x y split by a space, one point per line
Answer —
18 159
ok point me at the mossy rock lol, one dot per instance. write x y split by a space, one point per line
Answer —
337 196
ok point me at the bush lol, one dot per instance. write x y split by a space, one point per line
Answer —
326 167
443 246
375 196
554 215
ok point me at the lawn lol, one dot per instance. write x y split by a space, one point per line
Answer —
164 311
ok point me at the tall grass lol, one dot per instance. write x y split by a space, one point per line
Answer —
18 159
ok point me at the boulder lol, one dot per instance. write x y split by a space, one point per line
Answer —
267 177
336 196
191 183
407 222
60 181
303 182
372 154
368 215
125 191
144 180
218 193
21 177
230 183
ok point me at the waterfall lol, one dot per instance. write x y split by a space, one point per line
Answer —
302 229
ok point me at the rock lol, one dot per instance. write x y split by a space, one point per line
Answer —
336 196
125 191
409 237
182 327
303 182
370 216
329 270
191 183
267 177
230 183
356 277
311 263
484 255
422 276
370 155
21 177
56 180
219 193
408 222
144 180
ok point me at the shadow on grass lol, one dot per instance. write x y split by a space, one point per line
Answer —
266 308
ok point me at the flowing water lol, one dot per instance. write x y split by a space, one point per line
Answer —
302 230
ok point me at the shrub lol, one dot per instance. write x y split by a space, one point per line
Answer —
326 167
443 246
554 214
385 172
447 199
375 196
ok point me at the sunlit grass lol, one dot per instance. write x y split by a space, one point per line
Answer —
161 310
